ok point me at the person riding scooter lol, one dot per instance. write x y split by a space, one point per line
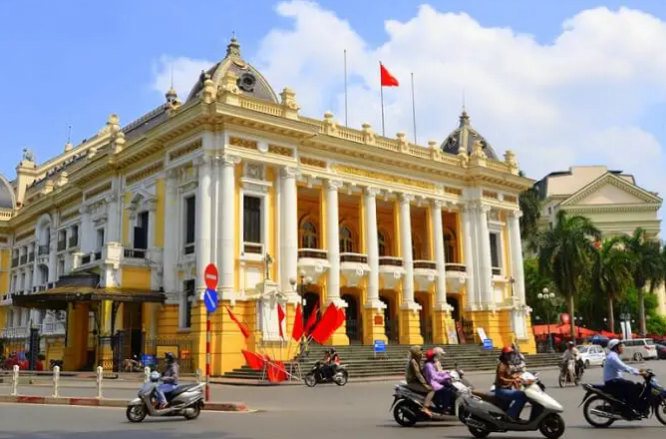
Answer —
571 354
415 379
169 379
329 363
507 384
616 385
439 381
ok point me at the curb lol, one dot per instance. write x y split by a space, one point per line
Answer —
110 402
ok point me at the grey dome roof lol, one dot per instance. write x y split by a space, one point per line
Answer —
250 81
7 200
464 132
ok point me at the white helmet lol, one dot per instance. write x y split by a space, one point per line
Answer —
154 376
613 343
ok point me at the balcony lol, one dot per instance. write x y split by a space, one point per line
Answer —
15 332
253 248
390 271
189 248
73 241
62 245
97 255
53 328
456 273
15 262
23 259
425 273
312 262
497 271
43 250
85 259
135 253
353 266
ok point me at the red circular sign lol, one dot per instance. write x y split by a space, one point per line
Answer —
210 276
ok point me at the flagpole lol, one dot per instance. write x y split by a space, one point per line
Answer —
381 93
413 109
345 53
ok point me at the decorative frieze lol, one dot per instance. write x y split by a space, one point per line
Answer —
25 235
184 150
145 172
98 190
452 190
69 216
510 199
243 143
281 150
313 162
490 194
351 170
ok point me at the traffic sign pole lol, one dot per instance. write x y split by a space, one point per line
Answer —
210 279
207 356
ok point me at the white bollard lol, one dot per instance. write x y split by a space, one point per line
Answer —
198 375
15 378
56 380
146 374
100 372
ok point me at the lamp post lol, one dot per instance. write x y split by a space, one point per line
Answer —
546 296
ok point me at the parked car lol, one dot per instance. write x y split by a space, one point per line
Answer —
639 349
661 351
592 355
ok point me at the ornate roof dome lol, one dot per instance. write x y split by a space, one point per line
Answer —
466 136
250 81
7 199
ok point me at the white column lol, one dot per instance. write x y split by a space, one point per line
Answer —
407 258
333 241
172 231
202 233
467 233
371 247
113 214
516 256
440 257
485 268
289 230
227 264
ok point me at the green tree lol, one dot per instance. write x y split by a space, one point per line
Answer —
646 266
566 254
535 282
611 274
530 206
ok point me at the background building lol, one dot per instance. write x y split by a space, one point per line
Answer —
113 234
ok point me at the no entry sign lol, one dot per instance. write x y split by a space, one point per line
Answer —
210 276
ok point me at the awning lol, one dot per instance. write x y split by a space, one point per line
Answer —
59 297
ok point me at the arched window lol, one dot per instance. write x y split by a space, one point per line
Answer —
309 236
346 240
450 243
381 243
416 249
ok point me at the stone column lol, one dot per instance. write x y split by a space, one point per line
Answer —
409 322
53 248
113 214
485 269
171 234
289 232
227 263
333 242
442 314
516 257
468 248
203 226
373 315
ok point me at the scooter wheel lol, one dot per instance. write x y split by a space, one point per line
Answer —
552 426
192 412
478 432
310 380
561 380
660 411
592 419
341 378
403 415
136 413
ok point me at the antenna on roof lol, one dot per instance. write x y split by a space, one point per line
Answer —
463 100
171 75
69 133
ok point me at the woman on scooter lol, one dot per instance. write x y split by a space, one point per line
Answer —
414 377
437 380
507 384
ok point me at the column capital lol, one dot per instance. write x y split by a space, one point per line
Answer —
229 160
172 173
438 204
333 184
515 214
289 172
371 191
202 160
406 198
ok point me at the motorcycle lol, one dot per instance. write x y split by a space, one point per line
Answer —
485 414
571 372
316 376
602 409
185 400
408 404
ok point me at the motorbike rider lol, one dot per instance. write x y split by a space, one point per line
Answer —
617 386
507 384
570 354
329 363
439 381
415 379
169 379
439 353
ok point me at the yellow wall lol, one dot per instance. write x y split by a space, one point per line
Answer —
136 277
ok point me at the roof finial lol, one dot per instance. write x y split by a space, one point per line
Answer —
233 48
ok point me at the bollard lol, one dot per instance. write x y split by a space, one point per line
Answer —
198 375
56 380
15 378
100 372
146 374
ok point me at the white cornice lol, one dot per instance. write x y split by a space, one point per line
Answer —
613 180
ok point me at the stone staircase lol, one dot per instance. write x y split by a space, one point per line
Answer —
361 362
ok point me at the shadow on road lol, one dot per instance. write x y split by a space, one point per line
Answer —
118 434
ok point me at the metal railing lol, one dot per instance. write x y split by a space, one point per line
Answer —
497 271
456 267
15 332
390 261
98 256
23 259
62 245
53 328
189 248
428 265
85 259
136 253
31 256
43 250
313 253
353 257
15 262
73 241
253 248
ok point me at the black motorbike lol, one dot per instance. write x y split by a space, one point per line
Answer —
319 375
602 409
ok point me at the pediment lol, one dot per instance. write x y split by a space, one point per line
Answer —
609 189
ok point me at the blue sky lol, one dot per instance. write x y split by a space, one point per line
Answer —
74 62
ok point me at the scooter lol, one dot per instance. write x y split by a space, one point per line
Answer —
602 409
408 405
185 400
485 414
572 372
315 376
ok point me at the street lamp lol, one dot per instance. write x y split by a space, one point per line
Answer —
546 296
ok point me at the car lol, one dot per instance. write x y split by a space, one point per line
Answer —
639 349
661 351
592 355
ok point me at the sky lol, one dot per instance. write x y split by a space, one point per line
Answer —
560 83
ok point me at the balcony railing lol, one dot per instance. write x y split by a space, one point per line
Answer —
41 287
62 245
497 271
390 261
43 250
353 257
136 253
255 248
452 266
98 255
24 259
313 253
189 248
73 241
85 259
15 332
31 256
53 328
427 265
15 262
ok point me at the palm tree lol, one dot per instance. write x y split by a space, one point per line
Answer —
530 206
647 266
566 253
611 274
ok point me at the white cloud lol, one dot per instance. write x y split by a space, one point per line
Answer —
578 99
185 72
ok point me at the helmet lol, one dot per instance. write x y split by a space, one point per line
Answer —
614 343
416 350
154 376
507 350
570 344
439 351
430 354
169 356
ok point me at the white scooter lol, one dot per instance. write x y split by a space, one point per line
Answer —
186 400
485 414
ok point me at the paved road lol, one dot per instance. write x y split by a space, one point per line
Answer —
358 410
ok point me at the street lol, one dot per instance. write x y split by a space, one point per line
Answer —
357 410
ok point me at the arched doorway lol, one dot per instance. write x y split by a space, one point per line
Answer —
352 318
